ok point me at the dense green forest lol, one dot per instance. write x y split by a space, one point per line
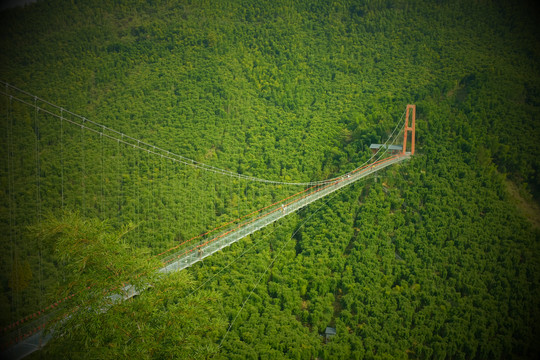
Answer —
435 258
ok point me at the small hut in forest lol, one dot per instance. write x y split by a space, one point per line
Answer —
329 332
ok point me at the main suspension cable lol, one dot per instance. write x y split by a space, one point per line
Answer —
152 149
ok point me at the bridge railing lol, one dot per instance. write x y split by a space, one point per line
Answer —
211 244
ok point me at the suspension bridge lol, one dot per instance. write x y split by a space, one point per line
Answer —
54 159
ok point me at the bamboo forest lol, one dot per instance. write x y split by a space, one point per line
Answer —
270 179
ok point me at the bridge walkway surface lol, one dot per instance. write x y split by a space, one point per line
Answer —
207 247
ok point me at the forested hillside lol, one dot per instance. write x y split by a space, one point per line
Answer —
435 258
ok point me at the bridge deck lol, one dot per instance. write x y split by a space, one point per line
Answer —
207 247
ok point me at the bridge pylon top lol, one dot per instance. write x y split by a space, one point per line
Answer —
411 109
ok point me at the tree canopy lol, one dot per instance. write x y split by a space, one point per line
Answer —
435 258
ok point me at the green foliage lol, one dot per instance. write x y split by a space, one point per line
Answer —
92 255
432 260
20 276
164 322
97 265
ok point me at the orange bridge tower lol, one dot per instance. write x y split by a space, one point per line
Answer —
410 109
